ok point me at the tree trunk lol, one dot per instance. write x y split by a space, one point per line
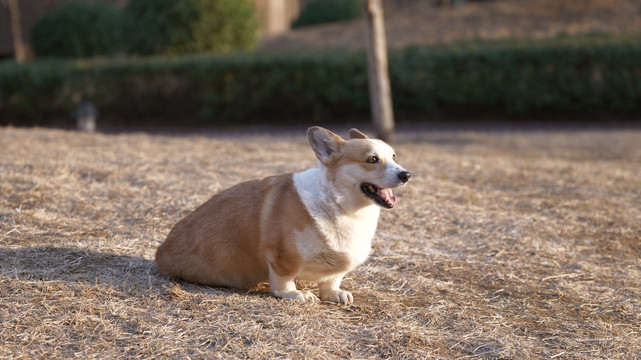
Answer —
19 49
379 85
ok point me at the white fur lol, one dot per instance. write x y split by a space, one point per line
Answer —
285 287
341 224
349 233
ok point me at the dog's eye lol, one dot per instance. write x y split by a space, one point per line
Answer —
394 157
372 159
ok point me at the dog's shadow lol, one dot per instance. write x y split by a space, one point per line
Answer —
74 265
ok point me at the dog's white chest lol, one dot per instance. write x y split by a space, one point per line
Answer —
337 246
346 234
336 238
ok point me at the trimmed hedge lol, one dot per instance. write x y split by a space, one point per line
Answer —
199 90
576 77
566 77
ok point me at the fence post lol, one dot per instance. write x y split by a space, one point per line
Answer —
20 52
379 85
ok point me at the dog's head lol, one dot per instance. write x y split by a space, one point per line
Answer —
361 168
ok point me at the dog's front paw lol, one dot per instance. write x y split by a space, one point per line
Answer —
338 296
304 296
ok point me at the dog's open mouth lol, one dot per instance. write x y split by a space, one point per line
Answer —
383 197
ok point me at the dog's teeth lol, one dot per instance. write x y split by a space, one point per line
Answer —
371 188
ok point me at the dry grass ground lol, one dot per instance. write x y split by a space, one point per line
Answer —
504 245
496 19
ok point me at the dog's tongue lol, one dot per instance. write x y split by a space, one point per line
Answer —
387 195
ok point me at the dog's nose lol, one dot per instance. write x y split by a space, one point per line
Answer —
404 176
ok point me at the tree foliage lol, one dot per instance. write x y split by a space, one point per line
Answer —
189 26
78 29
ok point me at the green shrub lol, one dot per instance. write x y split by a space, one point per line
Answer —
322 11
189 26
579 76
32 92
158 26
562 77
78 29
225 26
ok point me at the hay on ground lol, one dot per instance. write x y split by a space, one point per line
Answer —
503 245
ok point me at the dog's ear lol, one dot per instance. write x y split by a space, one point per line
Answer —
325 143
355 134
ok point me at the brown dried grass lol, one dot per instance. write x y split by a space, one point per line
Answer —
416 24
504 245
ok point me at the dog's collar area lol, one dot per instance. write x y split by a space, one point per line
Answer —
383 197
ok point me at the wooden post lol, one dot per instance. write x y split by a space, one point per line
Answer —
16 30
379 86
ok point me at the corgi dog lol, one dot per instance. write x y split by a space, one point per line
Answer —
315 225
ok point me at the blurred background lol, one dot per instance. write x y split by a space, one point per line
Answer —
203 63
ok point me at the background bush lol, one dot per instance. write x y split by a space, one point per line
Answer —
225 26
189 26
573 77
78 29
158 26
322 11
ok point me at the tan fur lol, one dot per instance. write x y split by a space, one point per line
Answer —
356 151
228 241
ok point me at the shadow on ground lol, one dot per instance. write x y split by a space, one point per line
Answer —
74 265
